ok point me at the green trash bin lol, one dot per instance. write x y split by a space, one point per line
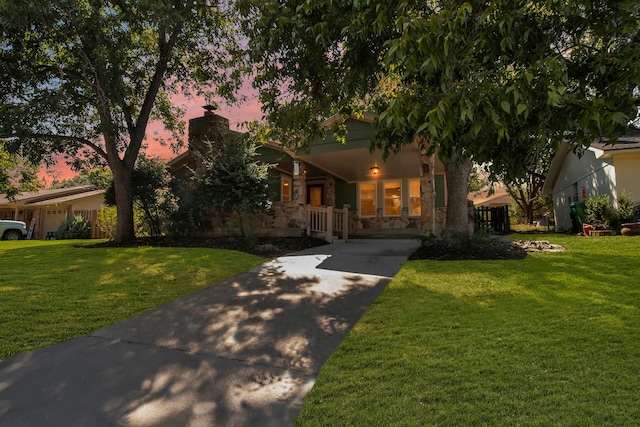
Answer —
579 212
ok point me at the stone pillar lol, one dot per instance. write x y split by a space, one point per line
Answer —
299 190
427 193
297 206
330 191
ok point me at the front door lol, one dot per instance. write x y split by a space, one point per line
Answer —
315 195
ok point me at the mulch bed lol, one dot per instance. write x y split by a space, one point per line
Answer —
273 247
268 247
494 249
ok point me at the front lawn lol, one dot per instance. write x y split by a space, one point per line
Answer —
553 339
51 291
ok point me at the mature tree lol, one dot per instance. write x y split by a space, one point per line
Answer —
17 174
99 176
476 80
84 78
152 192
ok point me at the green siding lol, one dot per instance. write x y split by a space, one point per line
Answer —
439 181
359 135
271 155
346 194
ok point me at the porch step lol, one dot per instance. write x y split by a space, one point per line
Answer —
321 235
385 234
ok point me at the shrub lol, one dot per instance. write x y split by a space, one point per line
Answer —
600 211
625 207
73 228
604 216
108 217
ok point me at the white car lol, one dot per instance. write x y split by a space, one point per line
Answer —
12 230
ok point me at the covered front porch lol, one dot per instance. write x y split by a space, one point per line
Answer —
405 191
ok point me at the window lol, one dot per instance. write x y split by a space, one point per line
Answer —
285 193
392 203
368 199
414 197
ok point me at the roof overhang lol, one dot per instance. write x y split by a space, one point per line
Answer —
354 165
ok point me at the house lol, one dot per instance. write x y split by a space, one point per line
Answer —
43 211
601 169
404 194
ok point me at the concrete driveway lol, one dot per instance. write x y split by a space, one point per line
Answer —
242 352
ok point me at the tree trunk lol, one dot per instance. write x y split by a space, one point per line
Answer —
124 204
457 172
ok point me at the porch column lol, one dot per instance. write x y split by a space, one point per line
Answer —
330 191
427 193
298 211
299 195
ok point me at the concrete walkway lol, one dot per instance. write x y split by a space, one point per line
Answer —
243 352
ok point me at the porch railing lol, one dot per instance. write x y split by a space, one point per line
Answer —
328 220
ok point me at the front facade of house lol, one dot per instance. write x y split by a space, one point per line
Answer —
602 169
404 193
43 211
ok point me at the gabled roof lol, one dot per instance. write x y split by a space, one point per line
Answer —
66 199
51 194
628 143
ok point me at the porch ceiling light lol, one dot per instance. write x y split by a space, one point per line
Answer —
375 170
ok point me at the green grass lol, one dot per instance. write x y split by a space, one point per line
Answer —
551 340
51 291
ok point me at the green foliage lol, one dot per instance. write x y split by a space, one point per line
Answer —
78 290
107 219
600 211
101 177
85 78
152 193
625 207
73 228
16 174
489 81
603 215
232 182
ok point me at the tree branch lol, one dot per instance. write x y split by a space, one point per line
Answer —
165 47
70 138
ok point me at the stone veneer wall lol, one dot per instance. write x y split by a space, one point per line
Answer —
380 222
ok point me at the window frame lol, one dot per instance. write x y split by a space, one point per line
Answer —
288 179
385 198
375 199
411 197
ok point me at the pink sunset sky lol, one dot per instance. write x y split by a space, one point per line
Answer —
237 115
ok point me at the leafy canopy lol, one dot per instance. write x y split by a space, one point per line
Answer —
84 78
490 80
16 174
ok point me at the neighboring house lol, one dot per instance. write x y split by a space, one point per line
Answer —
602 169
43 211
404 193
491 199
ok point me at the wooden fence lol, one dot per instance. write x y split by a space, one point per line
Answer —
495 219
91 216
